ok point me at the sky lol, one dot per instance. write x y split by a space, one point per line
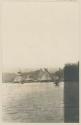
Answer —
39 34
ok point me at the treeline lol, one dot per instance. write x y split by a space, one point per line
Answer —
59 74
70 72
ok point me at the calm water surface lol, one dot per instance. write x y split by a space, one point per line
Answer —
33 102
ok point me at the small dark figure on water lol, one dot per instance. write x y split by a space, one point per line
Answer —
57 83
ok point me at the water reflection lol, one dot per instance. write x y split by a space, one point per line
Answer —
33 102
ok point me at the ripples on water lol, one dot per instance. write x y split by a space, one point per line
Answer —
33 102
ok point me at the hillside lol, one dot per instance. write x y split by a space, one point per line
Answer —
8 77
40 75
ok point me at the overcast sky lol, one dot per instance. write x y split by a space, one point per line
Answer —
39 34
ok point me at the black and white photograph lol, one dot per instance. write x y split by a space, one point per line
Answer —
40 61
